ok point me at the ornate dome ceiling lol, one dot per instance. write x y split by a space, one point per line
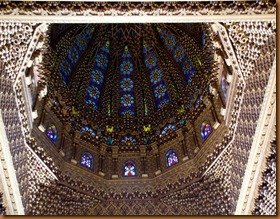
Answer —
128 84
111 83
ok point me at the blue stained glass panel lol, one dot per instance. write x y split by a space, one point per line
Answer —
179 54
169 41
88 130
129 140
101 61
87 160
129 168
51 132
150 60
97 77
160 91
198 101
167 129
156 77
126 67
127 100
126 84
127 113
205 130
74 53
171 158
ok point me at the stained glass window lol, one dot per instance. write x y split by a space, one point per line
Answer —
51 132
205 130
198 101
74 53
127 88
171 158
129 168
129 140
167 129
224 86
158 83
97 76
87 160
178 52
88 130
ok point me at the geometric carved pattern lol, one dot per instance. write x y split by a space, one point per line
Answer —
195 198
136 207
228 181
14 134
266 201
249 114
137 9
224 185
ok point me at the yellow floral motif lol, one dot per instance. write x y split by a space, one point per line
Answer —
147 128
181 109
109 129
74 112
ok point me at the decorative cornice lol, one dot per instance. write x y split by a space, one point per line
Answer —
97 12
227 46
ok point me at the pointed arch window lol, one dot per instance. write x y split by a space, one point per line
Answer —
171 158
205 130
97 77
87 160
158 83
127 85
74 53
129 168
178 52
51 132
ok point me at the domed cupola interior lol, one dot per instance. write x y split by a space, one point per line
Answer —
128 84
